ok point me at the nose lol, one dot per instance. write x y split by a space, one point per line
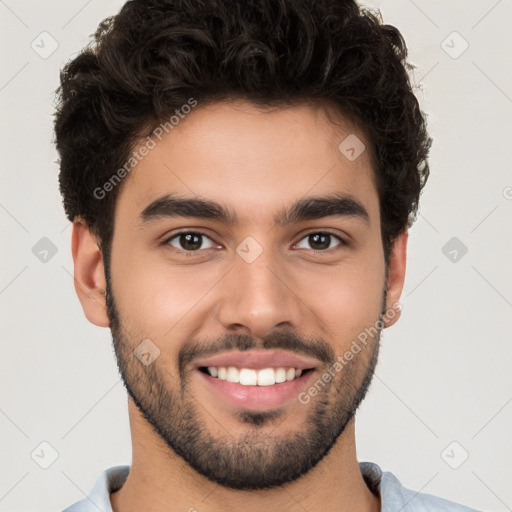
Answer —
259 297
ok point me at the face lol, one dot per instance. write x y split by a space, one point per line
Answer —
251 283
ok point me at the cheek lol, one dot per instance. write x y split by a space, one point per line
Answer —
155 295
348 298
349 311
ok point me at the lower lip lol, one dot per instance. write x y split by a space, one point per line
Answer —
257 398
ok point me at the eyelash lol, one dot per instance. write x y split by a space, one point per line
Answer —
198 252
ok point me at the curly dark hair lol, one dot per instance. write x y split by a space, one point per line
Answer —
154 55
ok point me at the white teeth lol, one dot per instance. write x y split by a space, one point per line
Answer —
280 375
250 377
266 377
232 375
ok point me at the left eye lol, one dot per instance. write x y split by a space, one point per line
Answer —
321 241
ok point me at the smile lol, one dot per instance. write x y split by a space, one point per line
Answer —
253 377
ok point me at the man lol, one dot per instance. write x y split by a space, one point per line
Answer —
241 177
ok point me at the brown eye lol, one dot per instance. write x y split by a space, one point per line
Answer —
188 241
321 241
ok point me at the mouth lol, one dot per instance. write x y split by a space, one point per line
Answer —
239 389
256 379
253 377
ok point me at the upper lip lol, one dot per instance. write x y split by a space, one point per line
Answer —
259 359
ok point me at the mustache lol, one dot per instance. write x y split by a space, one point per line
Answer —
312 347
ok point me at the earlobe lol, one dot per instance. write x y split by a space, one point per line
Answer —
396 278
89 274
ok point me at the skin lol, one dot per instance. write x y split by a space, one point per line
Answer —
255 162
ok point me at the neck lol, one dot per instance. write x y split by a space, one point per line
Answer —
159 481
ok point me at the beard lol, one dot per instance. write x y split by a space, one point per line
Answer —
259 458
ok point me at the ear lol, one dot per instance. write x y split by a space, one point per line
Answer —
396 277
89 274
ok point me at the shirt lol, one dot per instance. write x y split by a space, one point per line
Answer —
394 496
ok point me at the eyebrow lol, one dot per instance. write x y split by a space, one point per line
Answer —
310 208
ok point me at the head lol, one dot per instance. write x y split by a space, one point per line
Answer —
241 176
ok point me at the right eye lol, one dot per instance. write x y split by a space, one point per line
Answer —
189 241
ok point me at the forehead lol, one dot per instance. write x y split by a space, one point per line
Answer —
253 160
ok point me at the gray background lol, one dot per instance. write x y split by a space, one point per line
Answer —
442 389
